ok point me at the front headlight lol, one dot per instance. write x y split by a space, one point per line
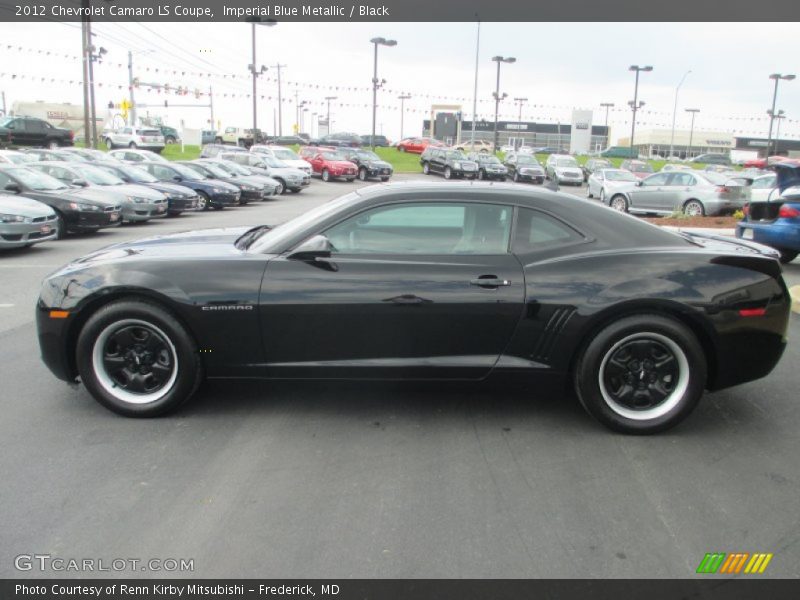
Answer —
12 219
456 165
84 207
219 191
137 200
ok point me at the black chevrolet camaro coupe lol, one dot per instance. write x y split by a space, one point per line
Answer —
425 281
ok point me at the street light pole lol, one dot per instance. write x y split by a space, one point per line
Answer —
674 113
256 72
694 112
402 98
635 104
521 101
498 60
475 88
328 100
378 41
278 67
777 77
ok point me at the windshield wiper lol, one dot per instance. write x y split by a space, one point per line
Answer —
251 235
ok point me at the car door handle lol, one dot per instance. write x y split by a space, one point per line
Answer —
489 281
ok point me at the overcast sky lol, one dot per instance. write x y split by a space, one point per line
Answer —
559 66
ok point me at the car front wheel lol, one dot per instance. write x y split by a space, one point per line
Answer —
362 174
203 201
619 203
136 359
641 374
448 174
132 145
426 169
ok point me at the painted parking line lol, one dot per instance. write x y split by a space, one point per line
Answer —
6 306
795 292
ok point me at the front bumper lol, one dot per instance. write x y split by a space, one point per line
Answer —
536 177
246 196
380 172
224 198
177 205
83 221
144 212
344 174
573 178
17 235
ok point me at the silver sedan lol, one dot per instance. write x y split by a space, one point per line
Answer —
602 182
24 222
693 193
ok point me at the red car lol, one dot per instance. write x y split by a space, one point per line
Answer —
329 164
760 163
308 152
417 145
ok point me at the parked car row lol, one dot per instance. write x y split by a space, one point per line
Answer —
46 194
695 193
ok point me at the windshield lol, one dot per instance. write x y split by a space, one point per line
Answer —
37 180
186 172
489 160
5 121
136 174
456 155
524 159
97 176
232 167
19 158
284 154
566 162
619 176
367 155
285 231
274 162
640 168
333 156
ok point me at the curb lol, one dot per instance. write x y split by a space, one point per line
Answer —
794 291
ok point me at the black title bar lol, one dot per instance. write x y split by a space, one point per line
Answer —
398 10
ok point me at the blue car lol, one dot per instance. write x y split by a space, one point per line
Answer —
211 193
776 223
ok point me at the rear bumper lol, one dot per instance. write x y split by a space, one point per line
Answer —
777 234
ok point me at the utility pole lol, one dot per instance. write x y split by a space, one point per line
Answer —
776 77
328 100
403 98
694 112
475 89
497 97
634 104
5 112
132 121
674 112
85 43
211 106
607 105
378 41
92 57
278 67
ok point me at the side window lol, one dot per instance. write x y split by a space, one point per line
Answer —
659 179
126 130
161 172
133 156
538 231
425 228
34 126
682 179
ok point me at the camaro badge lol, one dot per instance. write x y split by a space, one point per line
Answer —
227 307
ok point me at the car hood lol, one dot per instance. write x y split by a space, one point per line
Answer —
568 170
201 243
20 205
140 191
297 163
287 172
170 189
378 164
341 164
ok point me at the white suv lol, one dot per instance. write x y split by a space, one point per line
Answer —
148 138
563 168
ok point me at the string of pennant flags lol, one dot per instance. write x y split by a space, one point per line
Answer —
196 89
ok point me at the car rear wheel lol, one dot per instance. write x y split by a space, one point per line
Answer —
694 208
619 202
203 201
132 145
481 174
641 374
136 359
788 256
326 176
281 187
52 144
362 174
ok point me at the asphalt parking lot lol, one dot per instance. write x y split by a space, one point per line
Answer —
365 480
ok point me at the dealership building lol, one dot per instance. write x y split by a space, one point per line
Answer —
578 136
687 144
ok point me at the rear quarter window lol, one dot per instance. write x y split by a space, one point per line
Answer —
537 231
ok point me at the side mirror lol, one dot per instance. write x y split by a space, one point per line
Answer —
79 182
313 248
639 183
13 187
177 178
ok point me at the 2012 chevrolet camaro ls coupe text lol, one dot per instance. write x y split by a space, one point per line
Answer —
425 281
